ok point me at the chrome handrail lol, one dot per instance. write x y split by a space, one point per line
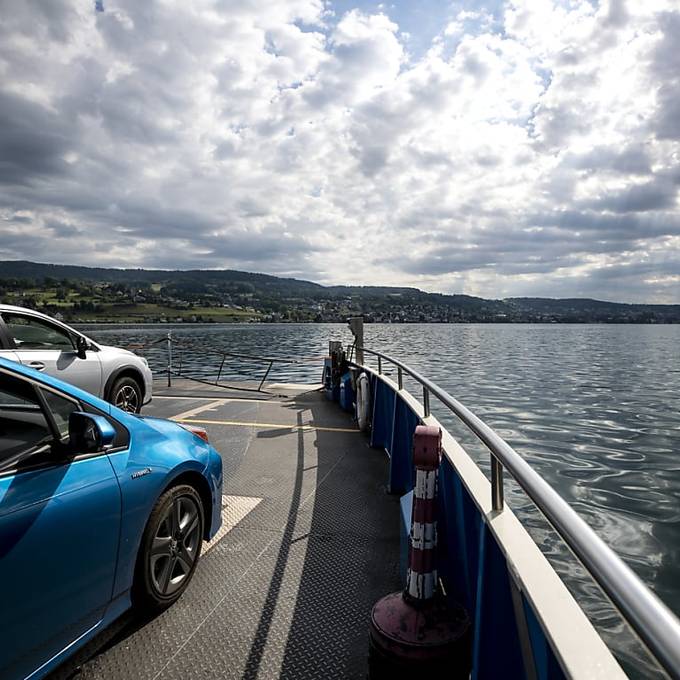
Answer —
648 616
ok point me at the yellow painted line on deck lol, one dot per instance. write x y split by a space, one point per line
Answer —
165 396
254 400
237 400
277 426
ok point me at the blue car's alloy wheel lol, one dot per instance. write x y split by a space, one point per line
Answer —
170 547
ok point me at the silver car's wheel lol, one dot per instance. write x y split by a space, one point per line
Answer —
127 395
170 548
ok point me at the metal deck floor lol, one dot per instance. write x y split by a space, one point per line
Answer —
310 541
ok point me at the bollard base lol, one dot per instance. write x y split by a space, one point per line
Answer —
430 638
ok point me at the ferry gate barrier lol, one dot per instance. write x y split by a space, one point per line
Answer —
414 629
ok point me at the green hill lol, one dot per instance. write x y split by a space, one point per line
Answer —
106 294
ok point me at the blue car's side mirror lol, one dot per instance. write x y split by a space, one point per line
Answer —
89 433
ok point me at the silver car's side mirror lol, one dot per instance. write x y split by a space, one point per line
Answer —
82 345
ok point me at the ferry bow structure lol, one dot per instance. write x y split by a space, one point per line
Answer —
525 622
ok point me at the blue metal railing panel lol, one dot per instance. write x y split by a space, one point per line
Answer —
462 560
401 447
546 663
383 416
458 526
496 644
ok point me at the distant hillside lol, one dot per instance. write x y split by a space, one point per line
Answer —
99 294
38 271
597 309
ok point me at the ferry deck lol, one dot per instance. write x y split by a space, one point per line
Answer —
309 542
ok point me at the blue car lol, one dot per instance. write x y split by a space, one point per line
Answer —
100 510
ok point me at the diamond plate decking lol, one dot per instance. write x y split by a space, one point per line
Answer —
312 543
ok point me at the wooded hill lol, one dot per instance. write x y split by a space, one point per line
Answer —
105 293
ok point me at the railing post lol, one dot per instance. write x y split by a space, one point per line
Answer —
379 364
170 359
219 373
269 368
426 401
496 483
400 378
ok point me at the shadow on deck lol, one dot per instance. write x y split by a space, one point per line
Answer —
310 542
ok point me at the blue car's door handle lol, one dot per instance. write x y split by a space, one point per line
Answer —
38 365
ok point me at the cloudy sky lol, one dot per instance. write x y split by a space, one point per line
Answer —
526 147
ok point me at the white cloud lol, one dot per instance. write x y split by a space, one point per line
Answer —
536 151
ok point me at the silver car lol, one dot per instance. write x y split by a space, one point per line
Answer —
37 340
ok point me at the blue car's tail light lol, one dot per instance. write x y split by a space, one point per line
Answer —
198 431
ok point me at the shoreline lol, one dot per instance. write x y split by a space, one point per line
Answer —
202 324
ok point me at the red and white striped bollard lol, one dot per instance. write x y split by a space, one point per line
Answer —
421 577
415 631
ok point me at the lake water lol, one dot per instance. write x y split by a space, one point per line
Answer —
594 408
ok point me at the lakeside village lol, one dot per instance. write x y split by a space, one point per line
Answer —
79 301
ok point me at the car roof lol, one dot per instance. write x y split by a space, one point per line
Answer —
27 372
14 308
